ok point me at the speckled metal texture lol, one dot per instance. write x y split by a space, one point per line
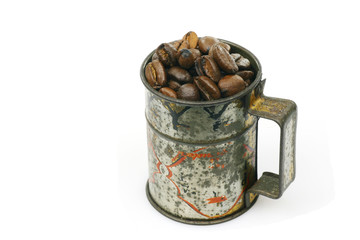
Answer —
203 155
201 164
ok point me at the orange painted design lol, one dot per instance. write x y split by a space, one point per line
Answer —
211 200
216 199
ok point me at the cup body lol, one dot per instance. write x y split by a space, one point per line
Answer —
202 156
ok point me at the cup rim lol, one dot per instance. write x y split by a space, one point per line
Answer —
241 94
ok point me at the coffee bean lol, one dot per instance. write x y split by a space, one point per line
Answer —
168 92
189 92
192 39
176 44
184 44
223 58
155 74
207 88
206 42
231 84
246 74
167 54
186 57
154 57
179 74
174 85
206 65
179 70
243 63
235 56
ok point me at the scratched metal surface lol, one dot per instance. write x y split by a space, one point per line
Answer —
201 159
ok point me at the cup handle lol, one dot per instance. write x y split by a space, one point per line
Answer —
284 113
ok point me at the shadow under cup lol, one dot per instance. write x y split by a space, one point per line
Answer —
202 156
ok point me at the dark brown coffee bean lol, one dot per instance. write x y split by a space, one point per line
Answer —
243 63
246 74
231 84
174 85
155 74
224 45
192 39
207 66
198 67
207 88
168 92
167 54
205 43
186 57
179 74
223 58
189 92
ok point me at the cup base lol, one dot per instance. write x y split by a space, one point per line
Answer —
196 221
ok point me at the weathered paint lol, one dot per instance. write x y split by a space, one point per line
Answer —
203 155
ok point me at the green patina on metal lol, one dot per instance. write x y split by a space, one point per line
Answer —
203 155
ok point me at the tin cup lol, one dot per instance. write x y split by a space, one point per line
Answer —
202 156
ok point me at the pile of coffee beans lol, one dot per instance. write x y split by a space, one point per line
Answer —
197 69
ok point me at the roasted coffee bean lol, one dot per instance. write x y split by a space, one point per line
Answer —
207 88
154 57
155 74
235 56
179 74
174 85
224 45
206 65
184 44
223 58
178 69
231 84
192 39
189 92
176 44
246 74
243 63
198 67
206 42
186 57
168 92
167 54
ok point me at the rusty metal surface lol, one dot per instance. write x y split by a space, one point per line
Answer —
202 156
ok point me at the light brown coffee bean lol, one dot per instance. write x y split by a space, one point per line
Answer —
231 85
192 38
168 92
176 44
186 57
155 74
184 44
154 57
179 74
174 85
205 43
189 92
235 56
223 58
206 65
243 63
207 88
167 54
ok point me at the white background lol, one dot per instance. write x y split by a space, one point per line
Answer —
73 154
